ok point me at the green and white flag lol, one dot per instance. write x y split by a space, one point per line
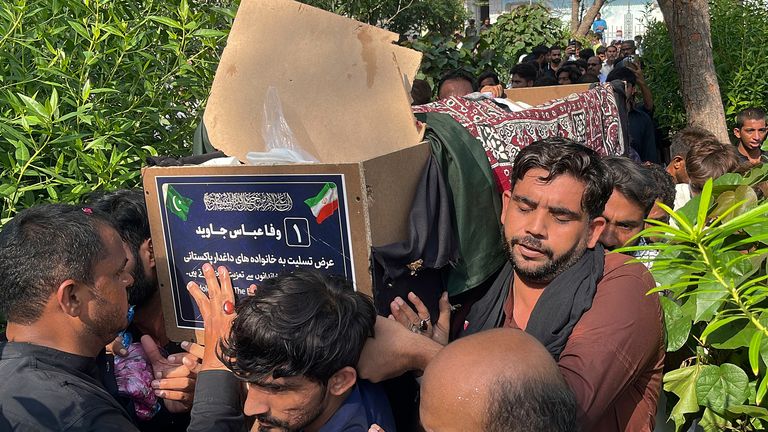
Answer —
177 203
325 203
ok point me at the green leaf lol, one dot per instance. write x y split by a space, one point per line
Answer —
682 382
754 351
733 335
36 107
761 390
719 322
720 387
676 324
170 22
750 410
709 298
209 33
704 200
712 422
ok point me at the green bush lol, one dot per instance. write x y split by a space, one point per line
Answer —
90 88
739 28
514 34
711 269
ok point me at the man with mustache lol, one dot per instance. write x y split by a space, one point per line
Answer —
588 308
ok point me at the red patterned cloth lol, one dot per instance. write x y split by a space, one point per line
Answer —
591 118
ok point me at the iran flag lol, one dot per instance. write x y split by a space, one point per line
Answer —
324 203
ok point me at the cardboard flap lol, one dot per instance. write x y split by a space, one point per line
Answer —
340 83
539 95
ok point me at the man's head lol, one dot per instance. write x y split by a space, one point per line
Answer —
594 65
455 83
750 128
598 16
513 385
471 22
601 53
665 192
128 212
522 75
634 193
540 55
709 159
682 141
296 342
627 48
488 78
553 212
628 76
568 75
63 268
611 53
555 55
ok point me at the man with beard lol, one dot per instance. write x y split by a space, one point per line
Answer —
588 308
63 288
128 211
295 342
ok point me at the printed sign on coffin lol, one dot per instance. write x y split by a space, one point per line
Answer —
341 86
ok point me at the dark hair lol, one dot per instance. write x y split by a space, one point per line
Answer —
489 74
544 80
421 92
299 324
633 181
709 159
535 404
526 71
540 50
664 182
42 247
555 47
687 137
749 114
624 74
454 74
560 156
601 50
128 211
586 53
573 73
589 78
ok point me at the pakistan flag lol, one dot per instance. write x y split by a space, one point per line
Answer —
177 203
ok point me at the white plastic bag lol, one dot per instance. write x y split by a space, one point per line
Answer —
279 140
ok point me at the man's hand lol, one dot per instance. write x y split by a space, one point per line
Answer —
403 314
175 376
116 347
217 321
393 351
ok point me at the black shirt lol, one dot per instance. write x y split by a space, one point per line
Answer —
43 389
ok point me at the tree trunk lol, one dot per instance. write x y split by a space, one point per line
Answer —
588 18
688 25
575 21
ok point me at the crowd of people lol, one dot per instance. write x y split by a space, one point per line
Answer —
563 338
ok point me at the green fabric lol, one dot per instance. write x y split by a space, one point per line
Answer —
476 201
200 142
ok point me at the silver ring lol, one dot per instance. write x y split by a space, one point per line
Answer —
424 324
415 328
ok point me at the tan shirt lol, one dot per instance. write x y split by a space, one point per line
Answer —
614 358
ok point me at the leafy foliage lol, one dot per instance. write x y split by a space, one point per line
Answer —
440 16
712 270
90 88
523 28
514 34
738 32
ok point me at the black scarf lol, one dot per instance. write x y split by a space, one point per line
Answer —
557 311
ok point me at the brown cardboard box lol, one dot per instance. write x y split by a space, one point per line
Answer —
341 86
